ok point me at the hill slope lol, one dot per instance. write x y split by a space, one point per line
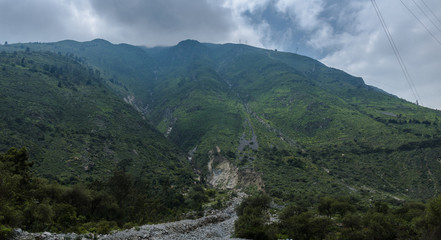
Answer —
75 127
246 114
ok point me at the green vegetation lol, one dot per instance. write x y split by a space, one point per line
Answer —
339 218
253 217
77 130
342 132
116 170
121 201
307 130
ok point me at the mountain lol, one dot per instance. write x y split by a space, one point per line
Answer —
75 127
279 121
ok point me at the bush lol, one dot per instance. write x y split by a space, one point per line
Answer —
250 227
5 232
101 227
254 205
433 217
253 218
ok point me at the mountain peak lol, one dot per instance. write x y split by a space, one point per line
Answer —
189 42
99 40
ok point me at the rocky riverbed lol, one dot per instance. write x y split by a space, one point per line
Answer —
217 224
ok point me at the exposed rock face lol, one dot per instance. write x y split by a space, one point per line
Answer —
224 175
130 99
215 225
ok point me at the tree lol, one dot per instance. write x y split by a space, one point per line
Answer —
253 217
306 226
256 205
325 206
16 161
381 207
43 217
120 185
380 226
197 197
433 217
250 227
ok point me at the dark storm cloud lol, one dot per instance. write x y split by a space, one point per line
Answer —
172 19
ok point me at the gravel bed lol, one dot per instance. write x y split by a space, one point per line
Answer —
214 225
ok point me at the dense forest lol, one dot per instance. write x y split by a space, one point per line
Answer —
121 201
36 204
339 218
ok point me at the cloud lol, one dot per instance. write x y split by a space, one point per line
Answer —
47 20
241 6
303 13
348 35
343 34
21 19
367 52
163 22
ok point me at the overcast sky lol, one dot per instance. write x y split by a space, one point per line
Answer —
343 34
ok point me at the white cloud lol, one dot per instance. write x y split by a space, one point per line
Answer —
241 6
244 31
368 53
304 13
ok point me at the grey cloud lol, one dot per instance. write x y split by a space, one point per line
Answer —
172 19
153 22
29 20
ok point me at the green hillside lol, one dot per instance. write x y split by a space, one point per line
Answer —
314 126
75 157
305 129
75 127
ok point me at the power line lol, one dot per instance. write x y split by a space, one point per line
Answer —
425 14
430 10
396 52
424 25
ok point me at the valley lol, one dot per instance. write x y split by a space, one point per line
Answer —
198 120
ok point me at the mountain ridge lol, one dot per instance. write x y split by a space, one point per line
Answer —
309 122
